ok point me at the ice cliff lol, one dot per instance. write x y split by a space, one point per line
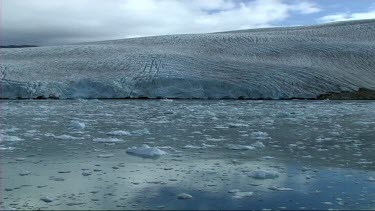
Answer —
274 63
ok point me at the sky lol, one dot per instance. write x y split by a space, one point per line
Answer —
56 22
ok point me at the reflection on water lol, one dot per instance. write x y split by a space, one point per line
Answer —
225 154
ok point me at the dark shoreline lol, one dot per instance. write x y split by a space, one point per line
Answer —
361 94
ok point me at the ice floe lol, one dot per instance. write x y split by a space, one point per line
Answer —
77 125
145 151
184 196
9 138
280 188
142 132
66 137
258 144
189 146
105 155
239 147
47 199
240 195
119 133
107 140
260 135
263 174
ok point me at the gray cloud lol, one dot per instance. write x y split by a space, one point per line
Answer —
48 22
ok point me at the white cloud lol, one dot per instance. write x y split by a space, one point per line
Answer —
64 21
349 16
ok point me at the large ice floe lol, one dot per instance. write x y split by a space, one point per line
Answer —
274 63
145 151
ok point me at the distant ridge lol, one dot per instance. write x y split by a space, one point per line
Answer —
18 46
308 62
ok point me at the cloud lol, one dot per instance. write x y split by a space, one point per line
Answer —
348 16
58 22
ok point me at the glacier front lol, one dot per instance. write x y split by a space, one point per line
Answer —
274 63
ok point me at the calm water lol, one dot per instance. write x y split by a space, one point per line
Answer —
320 154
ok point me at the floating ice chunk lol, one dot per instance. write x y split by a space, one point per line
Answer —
11 130
189 146
260 135
208 145
321 139
240 195
239 147
6 148
47 199
119 133
105 155
165 147
262 174
66 137
258 144
145 131
234 191
24 173
77 125
9 138
216 139
166 100
371 179
145 151
184 196
20 159
234 125
280 188
107 140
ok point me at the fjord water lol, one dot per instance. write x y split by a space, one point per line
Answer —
71 154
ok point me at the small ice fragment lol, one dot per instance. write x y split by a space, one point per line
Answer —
260 135
47 199
20 159
145 131
66 137
258 144
189 146
262 174
184 196
57 179
208 145
64 172
234 125
6 148
86 173
9 138
24 173
145 151
105 155
239 147
107 140
119 133
77 125
267 157
371 179
240 195
280 188
234 191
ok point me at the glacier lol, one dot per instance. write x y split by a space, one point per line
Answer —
272 63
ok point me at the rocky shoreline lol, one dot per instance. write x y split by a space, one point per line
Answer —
361 94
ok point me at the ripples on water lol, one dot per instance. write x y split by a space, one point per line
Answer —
225 154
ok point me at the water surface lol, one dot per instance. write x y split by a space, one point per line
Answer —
321 152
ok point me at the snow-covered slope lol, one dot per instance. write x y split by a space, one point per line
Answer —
276 63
